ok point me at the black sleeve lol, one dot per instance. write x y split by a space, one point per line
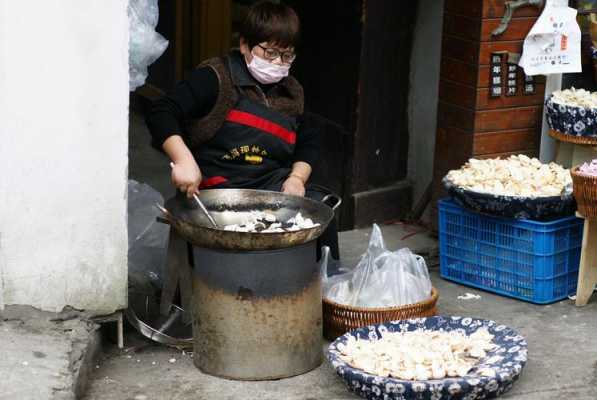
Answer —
191 98
307 141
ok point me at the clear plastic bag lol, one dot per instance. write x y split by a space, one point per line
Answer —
145 44
381 278
334 287
147 237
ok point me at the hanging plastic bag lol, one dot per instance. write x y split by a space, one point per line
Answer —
147 237
145 44
553 46
381 278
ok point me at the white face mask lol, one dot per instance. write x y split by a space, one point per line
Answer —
266 72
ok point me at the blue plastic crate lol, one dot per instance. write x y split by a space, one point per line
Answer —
528 260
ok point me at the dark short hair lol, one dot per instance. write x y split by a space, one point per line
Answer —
267 21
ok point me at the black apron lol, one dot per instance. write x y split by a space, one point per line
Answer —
253 148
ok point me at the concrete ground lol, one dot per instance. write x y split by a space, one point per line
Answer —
562 348
562 338
45 355
49 356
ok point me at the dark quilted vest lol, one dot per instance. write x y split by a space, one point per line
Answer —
285 97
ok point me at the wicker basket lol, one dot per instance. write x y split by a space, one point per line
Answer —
585 192
339 319
563 137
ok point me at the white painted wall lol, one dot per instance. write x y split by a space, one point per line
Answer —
63 153
424 82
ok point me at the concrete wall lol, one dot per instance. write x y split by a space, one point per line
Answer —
425 66
63 153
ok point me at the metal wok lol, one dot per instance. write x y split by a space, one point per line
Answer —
233 206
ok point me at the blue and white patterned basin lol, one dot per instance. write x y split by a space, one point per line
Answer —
537 209
506 361
571 120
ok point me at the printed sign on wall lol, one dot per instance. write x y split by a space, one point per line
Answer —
553 44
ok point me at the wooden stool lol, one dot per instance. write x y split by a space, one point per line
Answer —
572 151
587 274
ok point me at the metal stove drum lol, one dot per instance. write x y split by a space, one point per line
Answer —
256 297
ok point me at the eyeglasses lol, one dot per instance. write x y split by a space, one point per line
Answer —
271 54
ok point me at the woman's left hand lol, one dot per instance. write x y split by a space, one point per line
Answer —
294 186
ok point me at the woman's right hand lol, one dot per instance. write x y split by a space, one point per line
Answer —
186 176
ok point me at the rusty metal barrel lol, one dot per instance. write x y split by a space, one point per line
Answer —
257 314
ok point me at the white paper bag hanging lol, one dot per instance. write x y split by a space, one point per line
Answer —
553 44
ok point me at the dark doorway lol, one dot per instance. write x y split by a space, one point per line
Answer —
354 64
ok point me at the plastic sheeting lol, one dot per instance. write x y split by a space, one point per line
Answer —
382 278
147 237
145 44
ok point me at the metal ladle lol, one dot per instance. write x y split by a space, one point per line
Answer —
213 221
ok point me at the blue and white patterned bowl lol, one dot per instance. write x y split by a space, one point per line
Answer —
571 120
536 209
506 361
